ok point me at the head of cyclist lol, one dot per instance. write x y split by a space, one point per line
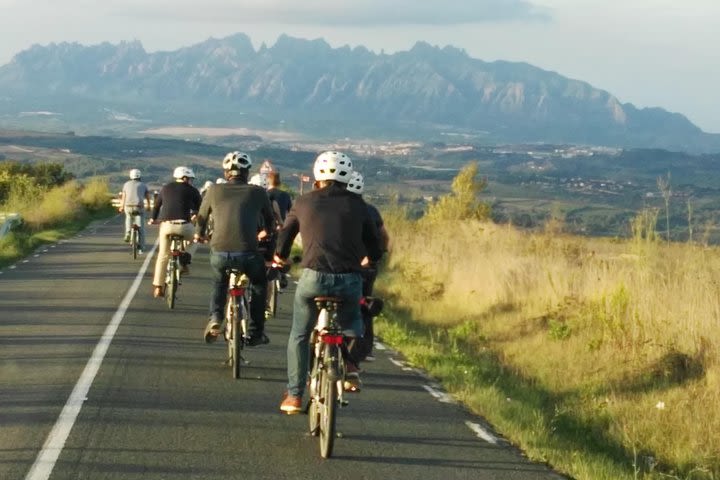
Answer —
183 174
332 168
267 167
236 166
356 183
135 174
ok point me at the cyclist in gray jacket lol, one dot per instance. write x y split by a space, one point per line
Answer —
236 207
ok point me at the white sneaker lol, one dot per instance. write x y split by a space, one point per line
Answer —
140 252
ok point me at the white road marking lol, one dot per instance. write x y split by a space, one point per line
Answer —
401 365
55 442
380 346
481 432
25 261
12 267
441 396
36 255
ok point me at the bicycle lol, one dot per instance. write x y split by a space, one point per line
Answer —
237 316
327 373
275 272
135 234
172 275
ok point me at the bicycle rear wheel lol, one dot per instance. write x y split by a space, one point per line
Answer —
237 339
272 297
171 282
134 242
328 396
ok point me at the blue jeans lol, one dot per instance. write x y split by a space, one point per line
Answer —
139 219
313 284
253 265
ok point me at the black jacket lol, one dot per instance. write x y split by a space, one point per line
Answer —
336 229
176 201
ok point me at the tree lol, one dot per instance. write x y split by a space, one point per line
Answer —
462 202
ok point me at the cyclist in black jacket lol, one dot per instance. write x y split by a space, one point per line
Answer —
337 232
369 305
236 207
174 208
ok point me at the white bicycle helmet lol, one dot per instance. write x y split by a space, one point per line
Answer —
356 183
135 174
181 172
206 185
333 166
236 161
260 180
220 181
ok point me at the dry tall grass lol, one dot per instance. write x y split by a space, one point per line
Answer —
624 330
42 208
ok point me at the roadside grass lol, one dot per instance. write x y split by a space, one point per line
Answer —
51 215
607 348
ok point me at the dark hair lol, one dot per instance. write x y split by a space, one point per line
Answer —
273 179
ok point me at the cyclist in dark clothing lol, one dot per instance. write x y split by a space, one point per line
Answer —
236 207
174 208
337 233
280 197
369 305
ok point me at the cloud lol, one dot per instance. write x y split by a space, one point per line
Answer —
337 12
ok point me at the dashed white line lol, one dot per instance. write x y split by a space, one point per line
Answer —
46 459
36 255
12 267
481 432
380 346
25 261
441 396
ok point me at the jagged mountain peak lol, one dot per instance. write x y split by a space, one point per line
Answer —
427 84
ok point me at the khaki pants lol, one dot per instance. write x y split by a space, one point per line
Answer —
168 228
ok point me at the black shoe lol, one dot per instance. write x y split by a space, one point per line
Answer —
254 341
212 330
283 281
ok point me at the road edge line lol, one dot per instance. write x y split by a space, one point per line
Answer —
47 457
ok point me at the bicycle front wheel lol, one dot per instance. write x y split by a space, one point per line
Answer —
328 395
314 406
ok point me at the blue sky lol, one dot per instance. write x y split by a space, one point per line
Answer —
646 52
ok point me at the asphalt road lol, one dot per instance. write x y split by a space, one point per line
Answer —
97 382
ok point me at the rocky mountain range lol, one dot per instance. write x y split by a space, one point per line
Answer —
316 87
